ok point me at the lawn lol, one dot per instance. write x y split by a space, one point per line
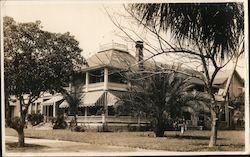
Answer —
190 141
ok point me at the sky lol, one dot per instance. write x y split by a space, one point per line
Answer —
88 22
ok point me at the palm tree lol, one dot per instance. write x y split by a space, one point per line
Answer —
159 97
215 30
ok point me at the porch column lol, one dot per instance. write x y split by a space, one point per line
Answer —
105 93
54 109
86 81
41 108
227 119
47 111
105 104
30 108
35 107
86 111
106 78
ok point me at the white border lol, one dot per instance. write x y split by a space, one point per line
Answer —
45 2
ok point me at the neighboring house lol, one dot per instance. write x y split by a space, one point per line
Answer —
236 88
47 105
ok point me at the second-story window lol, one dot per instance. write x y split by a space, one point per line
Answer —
96 76
117 77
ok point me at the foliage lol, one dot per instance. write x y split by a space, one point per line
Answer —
36 61
35 118
211 34
239 102
60 123
160 98
78 128
40 60
215 26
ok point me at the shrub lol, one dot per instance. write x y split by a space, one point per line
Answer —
78 128
60 123
35 118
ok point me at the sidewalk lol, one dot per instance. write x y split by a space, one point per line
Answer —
53 146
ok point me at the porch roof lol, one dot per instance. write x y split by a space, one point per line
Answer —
91 99
64 104
53 100
97 98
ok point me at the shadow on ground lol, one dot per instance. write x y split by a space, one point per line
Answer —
13 146
191 137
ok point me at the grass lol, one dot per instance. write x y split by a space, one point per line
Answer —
190 141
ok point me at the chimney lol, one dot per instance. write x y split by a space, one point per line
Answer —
139 54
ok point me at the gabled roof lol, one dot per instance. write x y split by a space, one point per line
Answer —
223 75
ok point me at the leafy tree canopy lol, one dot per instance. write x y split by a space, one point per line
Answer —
36 60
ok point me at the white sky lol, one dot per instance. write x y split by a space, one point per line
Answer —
88 22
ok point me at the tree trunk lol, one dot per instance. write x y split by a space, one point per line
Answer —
213 137
159 128
75 119
20 137
7 111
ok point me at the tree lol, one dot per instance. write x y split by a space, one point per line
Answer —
74 96
35 61
210 35
159 96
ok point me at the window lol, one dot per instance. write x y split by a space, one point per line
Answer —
79 79
117 77
96 76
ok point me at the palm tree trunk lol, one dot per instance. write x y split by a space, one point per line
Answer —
214 128
75 118
159 128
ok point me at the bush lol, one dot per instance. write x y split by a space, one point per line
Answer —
78 128
35 118
60 123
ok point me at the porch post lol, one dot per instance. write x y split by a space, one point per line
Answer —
86 81
41 108
54 109
227 112
30 108
35 107
105 89
105 78
85 113
47 111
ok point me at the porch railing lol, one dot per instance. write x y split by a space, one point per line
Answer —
109 119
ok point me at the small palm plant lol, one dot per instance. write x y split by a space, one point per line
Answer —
160 97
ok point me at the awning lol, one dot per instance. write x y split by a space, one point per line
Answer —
91 98
64 104
97 98
111 99
53 100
